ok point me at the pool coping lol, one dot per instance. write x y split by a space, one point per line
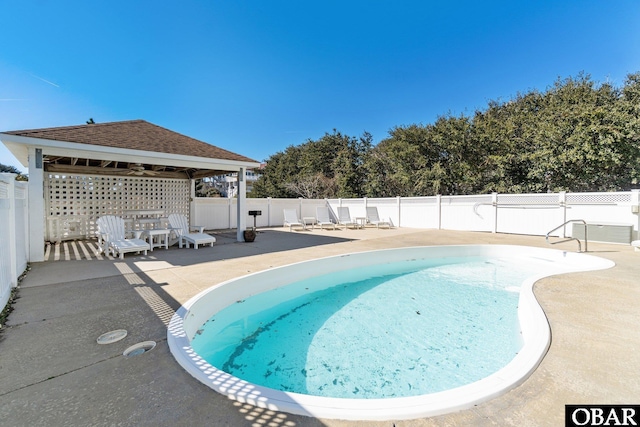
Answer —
534 325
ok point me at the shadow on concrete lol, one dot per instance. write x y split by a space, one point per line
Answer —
225 248
55 373
267 241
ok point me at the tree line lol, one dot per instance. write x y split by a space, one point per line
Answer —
577 135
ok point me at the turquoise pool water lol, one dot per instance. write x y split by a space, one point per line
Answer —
394 330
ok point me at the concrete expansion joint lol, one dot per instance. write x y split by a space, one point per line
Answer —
115 356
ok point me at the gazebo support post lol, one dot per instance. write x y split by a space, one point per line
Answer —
36 205
242 205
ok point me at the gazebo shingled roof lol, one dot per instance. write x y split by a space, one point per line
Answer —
133 134
142 146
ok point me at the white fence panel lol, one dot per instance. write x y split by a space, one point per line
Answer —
279 205
13 234
420 212
263 205
612 208
388 209
212 213
5 244
22 227
220 213
532 214
308 207
464 213
356 206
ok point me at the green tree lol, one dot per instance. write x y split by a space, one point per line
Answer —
280 168
328 167
13 169
577 135
392 165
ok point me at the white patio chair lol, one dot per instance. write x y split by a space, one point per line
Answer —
374 218
323 218
344 217
291 219
180 226
111 237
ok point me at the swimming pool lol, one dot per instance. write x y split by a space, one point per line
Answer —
187 325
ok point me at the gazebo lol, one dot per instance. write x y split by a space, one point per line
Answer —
90 170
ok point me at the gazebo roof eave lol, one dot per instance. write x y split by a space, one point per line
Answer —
19 147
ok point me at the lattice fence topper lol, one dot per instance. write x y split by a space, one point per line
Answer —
529 199
598 198
74 202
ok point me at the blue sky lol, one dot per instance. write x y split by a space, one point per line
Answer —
255 77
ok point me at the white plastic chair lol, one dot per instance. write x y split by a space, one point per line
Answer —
111 237
180 226
323 218
344 217
374 218
291 219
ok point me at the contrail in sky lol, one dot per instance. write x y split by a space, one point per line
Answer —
46 81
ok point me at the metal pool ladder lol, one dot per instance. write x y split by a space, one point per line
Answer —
584 224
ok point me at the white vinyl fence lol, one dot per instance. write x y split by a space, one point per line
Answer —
13 233
531 214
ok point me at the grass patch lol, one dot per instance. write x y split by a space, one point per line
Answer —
4 314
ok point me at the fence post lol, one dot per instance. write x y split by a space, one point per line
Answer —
398 199
192 203
268 211
13 244
229 212
494 203
562 200
439 208
635 209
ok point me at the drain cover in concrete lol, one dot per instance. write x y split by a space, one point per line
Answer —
111 337
140 348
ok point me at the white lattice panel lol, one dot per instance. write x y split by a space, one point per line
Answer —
529 199
598 198
74 202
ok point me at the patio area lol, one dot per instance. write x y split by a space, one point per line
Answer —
54 373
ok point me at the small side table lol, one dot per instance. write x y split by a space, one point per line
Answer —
158 237
360 221
309 220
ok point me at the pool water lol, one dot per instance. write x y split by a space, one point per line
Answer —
396 330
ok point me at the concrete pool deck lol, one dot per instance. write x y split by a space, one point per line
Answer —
52 371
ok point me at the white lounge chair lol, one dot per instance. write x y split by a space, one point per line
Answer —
323 218
374 218
180 226
111 237
344 217
291 219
